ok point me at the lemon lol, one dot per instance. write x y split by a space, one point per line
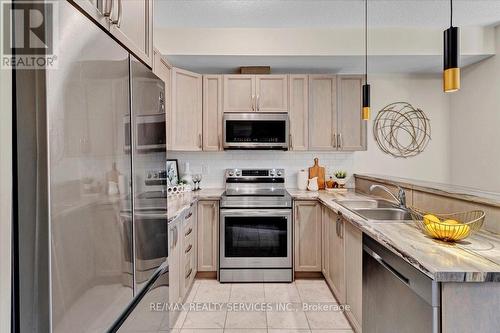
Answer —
450 222
429 218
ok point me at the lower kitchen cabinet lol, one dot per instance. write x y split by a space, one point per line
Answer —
336 250
307 244
353 242
174 263
208 235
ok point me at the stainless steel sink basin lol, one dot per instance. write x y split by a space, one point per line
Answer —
365 203
384 214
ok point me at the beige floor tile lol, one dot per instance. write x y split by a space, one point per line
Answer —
201 330
180 319
327 320
212 291
287 331
247 293
209 319
281 292
315 292
332 331
246 320
245 330
288 320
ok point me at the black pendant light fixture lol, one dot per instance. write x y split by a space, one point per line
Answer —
451 73
365 114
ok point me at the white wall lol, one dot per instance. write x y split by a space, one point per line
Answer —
5 197
475 125
423 91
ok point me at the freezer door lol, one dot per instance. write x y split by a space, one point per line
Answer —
150 202
90 173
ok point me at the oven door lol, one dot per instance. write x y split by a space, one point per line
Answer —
256 131
256 238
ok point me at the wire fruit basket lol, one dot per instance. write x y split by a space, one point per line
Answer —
448 227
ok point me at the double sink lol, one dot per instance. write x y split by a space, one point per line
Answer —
376 210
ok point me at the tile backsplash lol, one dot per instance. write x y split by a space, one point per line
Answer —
212 164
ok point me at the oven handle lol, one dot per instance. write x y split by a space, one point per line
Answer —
256 212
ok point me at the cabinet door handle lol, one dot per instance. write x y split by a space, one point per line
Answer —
258 103
219 142
291 142
189 273
340 140
107 11
175 236
214 206
188 248
334 140
189 215
188 232
200 141
118 20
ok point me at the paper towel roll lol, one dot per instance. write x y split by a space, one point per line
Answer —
302 179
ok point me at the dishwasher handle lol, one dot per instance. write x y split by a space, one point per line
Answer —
391 269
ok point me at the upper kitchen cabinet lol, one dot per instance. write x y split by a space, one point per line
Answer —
186 120
322 112
271 93
163 70
298 93
99 10
132 24
212 112
351 127
335 113
249 93
129 21
239 93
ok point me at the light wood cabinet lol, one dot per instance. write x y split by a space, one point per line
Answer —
186 120
322 112
174 260
351 127
298 111
212 112
239 93
325 244
335 267
272 93
353 241
249 93
163 69
134 27
208 235
307 234
188 250
129 21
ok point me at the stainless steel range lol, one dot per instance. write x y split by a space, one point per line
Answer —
255 227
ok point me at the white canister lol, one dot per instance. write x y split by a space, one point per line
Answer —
313 184
302 179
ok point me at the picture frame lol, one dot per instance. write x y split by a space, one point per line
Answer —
172 168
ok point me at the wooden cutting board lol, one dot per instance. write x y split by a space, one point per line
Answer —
318 171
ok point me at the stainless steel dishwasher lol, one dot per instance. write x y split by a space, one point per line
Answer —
397 298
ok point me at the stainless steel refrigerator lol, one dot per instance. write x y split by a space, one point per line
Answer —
90 231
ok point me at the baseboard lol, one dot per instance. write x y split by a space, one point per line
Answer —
308 275
206 275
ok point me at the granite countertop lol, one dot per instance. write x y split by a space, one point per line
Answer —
475 259
453 191
177 204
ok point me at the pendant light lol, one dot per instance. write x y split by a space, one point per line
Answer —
451 73
366 87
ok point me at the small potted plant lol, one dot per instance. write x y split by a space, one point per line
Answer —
341 178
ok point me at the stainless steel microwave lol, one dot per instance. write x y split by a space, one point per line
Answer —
150 132
267 131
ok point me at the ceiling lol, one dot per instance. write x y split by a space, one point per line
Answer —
209 64
323 13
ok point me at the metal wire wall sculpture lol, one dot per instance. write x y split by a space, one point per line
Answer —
401 130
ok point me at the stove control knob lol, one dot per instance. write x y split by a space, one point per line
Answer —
271 173
280 173
238 173
231 173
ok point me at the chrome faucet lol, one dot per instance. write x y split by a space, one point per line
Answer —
400 199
